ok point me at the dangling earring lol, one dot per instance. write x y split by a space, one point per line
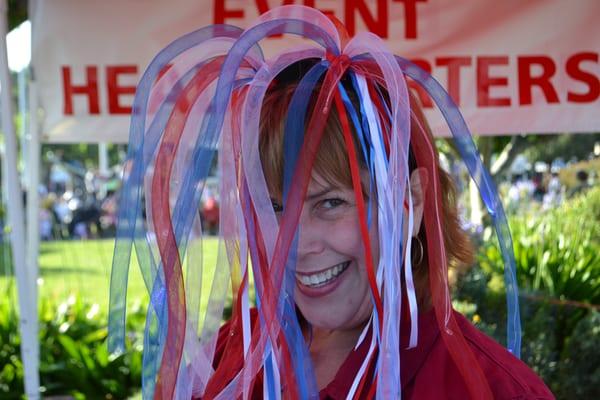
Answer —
418 249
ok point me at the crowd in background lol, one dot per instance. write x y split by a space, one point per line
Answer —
79 203
76 202
543 188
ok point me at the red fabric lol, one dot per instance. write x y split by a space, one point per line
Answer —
428 371
211 211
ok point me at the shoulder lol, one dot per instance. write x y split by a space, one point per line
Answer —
508 377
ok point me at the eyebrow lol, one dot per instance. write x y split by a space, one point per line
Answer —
312 196
324 191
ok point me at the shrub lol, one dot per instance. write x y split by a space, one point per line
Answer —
73 355
580 368
557 252
558 270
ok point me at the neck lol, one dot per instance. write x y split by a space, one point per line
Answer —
328 349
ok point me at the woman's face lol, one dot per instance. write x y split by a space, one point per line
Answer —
332 288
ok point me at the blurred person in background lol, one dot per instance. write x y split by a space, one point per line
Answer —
582 183
554 195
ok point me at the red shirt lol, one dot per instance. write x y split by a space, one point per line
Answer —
428 371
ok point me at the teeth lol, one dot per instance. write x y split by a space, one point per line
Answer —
322 277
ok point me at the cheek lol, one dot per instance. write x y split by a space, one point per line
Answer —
344 235
349 237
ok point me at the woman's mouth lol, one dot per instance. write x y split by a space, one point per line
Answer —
322 282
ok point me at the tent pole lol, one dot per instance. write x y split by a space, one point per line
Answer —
24 129
33 231
27 301
33 194
33 206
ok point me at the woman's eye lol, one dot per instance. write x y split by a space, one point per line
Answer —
332 203
276 206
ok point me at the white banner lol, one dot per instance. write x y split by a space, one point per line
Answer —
513 66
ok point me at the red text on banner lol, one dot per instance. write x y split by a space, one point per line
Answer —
492 75
376 20
90 89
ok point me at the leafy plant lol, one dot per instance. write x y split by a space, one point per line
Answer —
580 368
557 252
73 355
558 270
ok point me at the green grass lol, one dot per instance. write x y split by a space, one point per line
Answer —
82 268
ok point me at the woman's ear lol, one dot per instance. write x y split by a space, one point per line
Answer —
418 188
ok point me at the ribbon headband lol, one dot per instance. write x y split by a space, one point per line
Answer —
209 102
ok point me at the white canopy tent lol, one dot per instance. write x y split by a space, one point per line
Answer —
513 76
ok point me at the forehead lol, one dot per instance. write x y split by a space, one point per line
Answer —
319 185
319 182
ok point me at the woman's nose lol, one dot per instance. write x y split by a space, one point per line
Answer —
310 235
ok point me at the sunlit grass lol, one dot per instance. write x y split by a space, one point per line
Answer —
83 268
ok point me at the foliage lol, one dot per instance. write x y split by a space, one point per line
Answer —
557 252
567 146
580 369
80 155
17 13
73 355
558 271
68 267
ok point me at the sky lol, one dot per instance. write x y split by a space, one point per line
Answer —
18 43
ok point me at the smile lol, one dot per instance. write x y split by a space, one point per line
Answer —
324 277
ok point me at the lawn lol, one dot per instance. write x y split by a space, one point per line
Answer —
82 268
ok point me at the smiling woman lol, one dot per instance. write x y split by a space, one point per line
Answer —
332 289
332 293
331 186
331 172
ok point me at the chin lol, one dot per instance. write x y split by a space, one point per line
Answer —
334 314
322 323
331 319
